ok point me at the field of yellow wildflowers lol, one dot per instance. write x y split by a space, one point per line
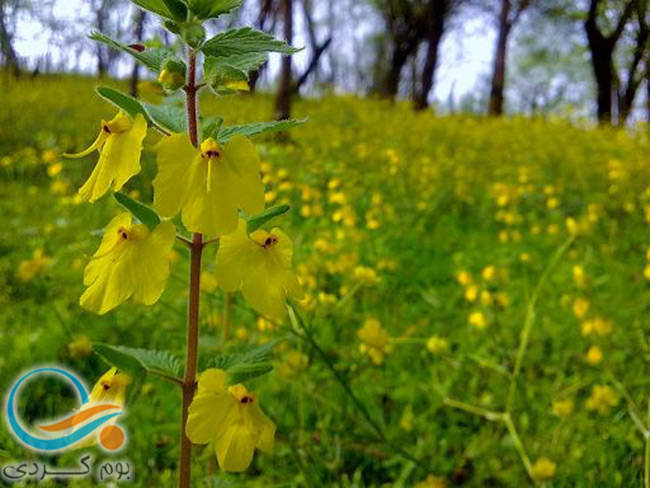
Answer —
477 294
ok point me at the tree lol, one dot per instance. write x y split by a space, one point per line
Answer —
602 47
285 91
509 15
139 20
317 48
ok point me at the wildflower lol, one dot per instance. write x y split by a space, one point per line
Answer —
366 275
477 319
260 265
646 272
543 469
119 144
602 399
580 307
579 276
375 341
471 293
30 268
594 355
54 169
432 482
437 345
230 418
80 347
464 278
209 282
110 388
563 408
598 325
406 422
208 184
294 363
489 273
130 262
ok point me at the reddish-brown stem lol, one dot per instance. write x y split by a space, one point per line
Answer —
196 250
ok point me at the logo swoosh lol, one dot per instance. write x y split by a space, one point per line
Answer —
77 418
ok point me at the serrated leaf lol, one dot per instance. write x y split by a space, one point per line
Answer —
207 9
257 221
258 128
152 58
170 117
127 103
247 364
242 62
140 211
141 361
210 127
155 6
245 40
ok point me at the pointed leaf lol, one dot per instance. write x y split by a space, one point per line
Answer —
168 116
177 8
246 364
155 6
245 40
127 103
208 9
140 211
249 130
122 361
257 221
242 62
141 361
152 58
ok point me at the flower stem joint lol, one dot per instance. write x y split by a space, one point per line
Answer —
173 73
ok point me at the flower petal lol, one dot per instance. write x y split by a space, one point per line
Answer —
235 448
176 165
210 416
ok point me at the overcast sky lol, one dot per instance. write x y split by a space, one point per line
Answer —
466 52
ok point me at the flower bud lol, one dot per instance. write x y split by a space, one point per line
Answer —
193 35
172 75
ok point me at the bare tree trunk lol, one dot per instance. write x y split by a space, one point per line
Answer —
10 58
390 85
139 33
436 15
495 106
266 9
100 18
647 86
283 99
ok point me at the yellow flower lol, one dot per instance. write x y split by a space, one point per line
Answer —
544 469
261 267
366 275
110 388
563 408
437 345
130 262
209 282
209 184
602 399
119 144
580 307
30 268
294 362
489 273
406 422
594 355
229 418
579 276
80 347
464 278
471 293
432 482
375 341
477 319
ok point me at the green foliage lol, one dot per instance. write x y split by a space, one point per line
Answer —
140 211
246 364
255 222
151 57
138 362
248 130
209 9
168 115
125 102
243 41
159 7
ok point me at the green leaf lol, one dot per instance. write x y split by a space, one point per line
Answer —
246 364
177 8
122 361
208 9
155 6
257 221
152 58
210 127
168 116
140 211
258 128
212 66
127 103
138 362
245 40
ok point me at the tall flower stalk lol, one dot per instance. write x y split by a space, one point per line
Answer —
210 177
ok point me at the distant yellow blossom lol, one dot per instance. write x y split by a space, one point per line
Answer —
229 418
437 345
209 282
406 421
478 319
471 293
80 347
543 469
432 482
579 276
580 307
489 273
594 355
563 408
30 268
374 340
366 275
294 362
464 278
602 399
